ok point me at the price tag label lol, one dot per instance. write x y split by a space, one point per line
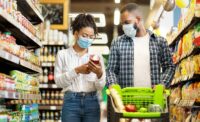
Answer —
51 42
54 86
52 107
44 64
26 96
39 97
185 78
43 85
21 96
10 95
60 43
6 95
16 95
173 82
49 64
185 102
181 103
176 101
24 63
191 102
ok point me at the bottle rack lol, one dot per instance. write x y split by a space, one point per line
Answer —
52 98
185 86
21 31
50 116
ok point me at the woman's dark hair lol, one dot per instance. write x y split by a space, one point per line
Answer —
130 7
82 21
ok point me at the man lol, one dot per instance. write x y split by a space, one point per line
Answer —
138 58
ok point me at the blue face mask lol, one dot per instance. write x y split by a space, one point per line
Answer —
84 42
130 30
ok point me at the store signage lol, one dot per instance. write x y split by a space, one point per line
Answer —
57 12
101 38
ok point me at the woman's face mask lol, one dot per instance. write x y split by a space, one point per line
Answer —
84 42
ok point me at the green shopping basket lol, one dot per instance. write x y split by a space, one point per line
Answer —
142 98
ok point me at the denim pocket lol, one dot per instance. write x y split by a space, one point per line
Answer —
92 104
68 96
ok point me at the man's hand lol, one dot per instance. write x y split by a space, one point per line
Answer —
83 69
95 68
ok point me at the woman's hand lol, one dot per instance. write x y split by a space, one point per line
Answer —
83 69
95 68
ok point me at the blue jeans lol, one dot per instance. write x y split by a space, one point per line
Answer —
80 107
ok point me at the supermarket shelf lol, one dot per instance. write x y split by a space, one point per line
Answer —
7 59
46 107
47 64
175 101
30 66
185 103
53 43
49 86
22 35
16 95
189 26
195 51
190 78
50 120
31 11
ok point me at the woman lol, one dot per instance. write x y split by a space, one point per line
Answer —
80 77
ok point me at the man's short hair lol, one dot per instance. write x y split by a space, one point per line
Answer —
130 7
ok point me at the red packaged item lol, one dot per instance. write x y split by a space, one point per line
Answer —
9 84
95 58
2 82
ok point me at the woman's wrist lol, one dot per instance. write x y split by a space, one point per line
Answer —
99 74
77 70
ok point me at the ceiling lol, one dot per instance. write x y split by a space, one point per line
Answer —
112 1
107 7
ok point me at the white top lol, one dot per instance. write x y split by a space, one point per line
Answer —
142 73
66 77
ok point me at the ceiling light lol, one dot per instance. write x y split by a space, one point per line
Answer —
117 1
117 16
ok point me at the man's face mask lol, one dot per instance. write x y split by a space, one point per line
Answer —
130 30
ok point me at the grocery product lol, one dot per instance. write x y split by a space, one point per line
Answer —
130 108
10 7
155 108
95 59
53 116
184 96
8 43
189 91
143 110
24 113
187 44
187 68
7 83
48 53
25 83
53 36
117 99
